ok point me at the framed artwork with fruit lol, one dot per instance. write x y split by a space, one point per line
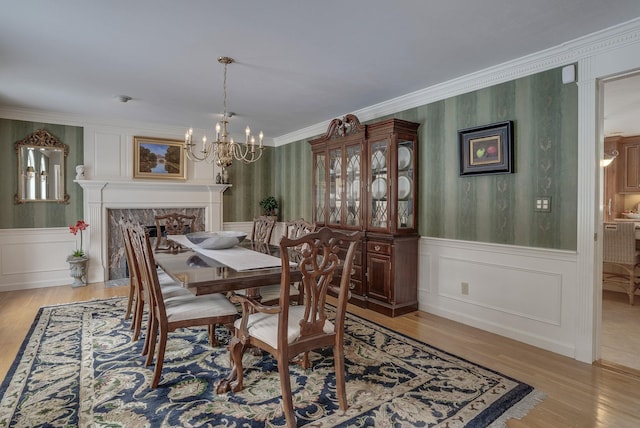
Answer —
487 149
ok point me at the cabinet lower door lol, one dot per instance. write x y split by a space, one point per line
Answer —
379 277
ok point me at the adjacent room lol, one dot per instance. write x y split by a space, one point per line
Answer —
285 213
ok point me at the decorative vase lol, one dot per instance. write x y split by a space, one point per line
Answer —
78 270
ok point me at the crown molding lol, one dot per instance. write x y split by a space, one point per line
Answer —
558 56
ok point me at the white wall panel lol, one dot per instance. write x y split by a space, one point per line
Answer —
33 258
527 294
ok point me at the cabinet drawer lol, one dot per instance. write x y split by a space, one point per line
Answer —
379 247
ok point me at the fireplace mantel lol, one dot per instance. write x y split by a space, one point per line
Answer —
101 195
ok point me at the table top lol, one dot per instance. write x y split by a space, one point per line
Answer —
203 275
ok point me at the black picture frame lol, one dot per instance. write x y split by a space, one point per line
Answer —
487 149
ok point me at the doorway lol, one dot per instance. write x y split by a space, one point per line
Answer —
619 334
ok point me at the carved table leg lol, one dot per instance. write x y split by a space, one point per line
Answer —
236 350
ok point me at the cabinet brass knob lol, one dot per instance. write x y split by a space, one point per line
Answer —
377 247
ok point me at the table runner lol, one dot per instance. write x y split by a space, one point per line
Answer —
237 258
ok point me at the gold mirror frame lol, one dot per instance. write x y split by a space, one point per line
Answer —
41 169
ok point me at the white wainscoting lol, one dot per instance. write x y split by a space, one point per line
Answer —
527 294
35 258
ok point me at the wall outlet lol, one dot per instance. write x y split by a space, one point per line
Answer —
464 288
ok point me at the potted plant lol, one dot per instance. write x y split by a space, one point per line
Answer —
269 206
78 259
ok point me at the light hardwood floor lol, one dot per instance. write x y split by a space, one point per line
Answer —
578 394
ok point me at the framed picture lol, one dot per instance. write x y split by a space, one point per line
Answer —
487 149
159 158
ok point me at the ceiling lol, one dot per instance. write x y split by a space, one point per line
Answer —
298 63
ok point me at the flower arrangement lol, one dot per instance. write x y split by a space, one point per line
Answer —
78 227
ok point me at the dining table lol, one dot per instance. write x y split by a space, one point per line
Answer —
247 265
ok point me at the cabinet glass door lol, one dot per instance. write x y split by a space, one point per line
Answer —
406 183
353 186
379 185
320 179
336 181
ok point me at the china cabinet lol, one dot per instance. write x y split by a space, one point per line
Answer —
365 178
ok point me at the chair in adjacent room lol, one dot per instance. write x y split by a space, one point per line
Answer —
172 224
269 294
620 257
285 330
175 312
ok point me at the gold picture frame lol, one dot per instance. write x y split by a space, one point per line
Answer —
159 158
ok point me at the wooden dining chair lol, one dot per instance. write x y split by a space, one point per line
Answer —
175 312
620 259
136 297
172 224
270 294
285 330
263 229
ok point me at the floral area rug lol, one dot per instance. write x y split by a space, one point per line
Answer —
78 367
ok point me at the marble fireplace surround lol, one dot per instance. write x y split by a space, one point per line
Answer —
103 198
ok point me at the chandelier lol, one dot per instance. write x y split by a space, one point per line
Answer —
224 150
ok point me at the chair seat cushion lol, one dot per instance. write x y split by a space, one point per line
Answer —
191 307
265 326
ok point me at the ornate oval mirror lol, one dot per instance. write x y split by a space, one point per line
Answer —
41 169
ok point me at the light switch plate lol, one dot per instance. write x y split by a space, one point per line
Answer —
543 204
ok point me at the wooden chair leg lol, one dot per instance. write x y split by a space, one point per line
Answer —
213 340
285 384
341 389
137 318
153 333
162 346
129 303
147 336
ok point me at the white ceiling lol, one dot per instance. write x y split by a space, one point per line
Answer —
298 63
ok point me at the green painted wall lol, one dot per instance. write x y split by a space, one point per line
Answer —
38 214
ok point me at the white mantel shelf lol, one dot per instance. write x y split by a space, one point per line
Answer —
153 185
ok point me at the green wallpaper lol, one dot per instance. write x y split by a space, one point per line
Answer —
495 208
500 208
38 214
293 181
250 184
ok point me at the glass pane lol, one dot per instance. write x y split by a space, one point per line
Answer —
353 185
335 186
406 218
379 184
321 187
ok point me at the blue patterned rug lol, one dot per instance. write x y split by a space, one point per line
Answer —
78 367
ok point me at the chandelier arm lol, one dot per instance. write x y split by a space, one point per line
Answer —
247 152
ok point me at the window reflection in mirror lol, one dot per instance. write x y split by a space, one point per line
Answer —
41 169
